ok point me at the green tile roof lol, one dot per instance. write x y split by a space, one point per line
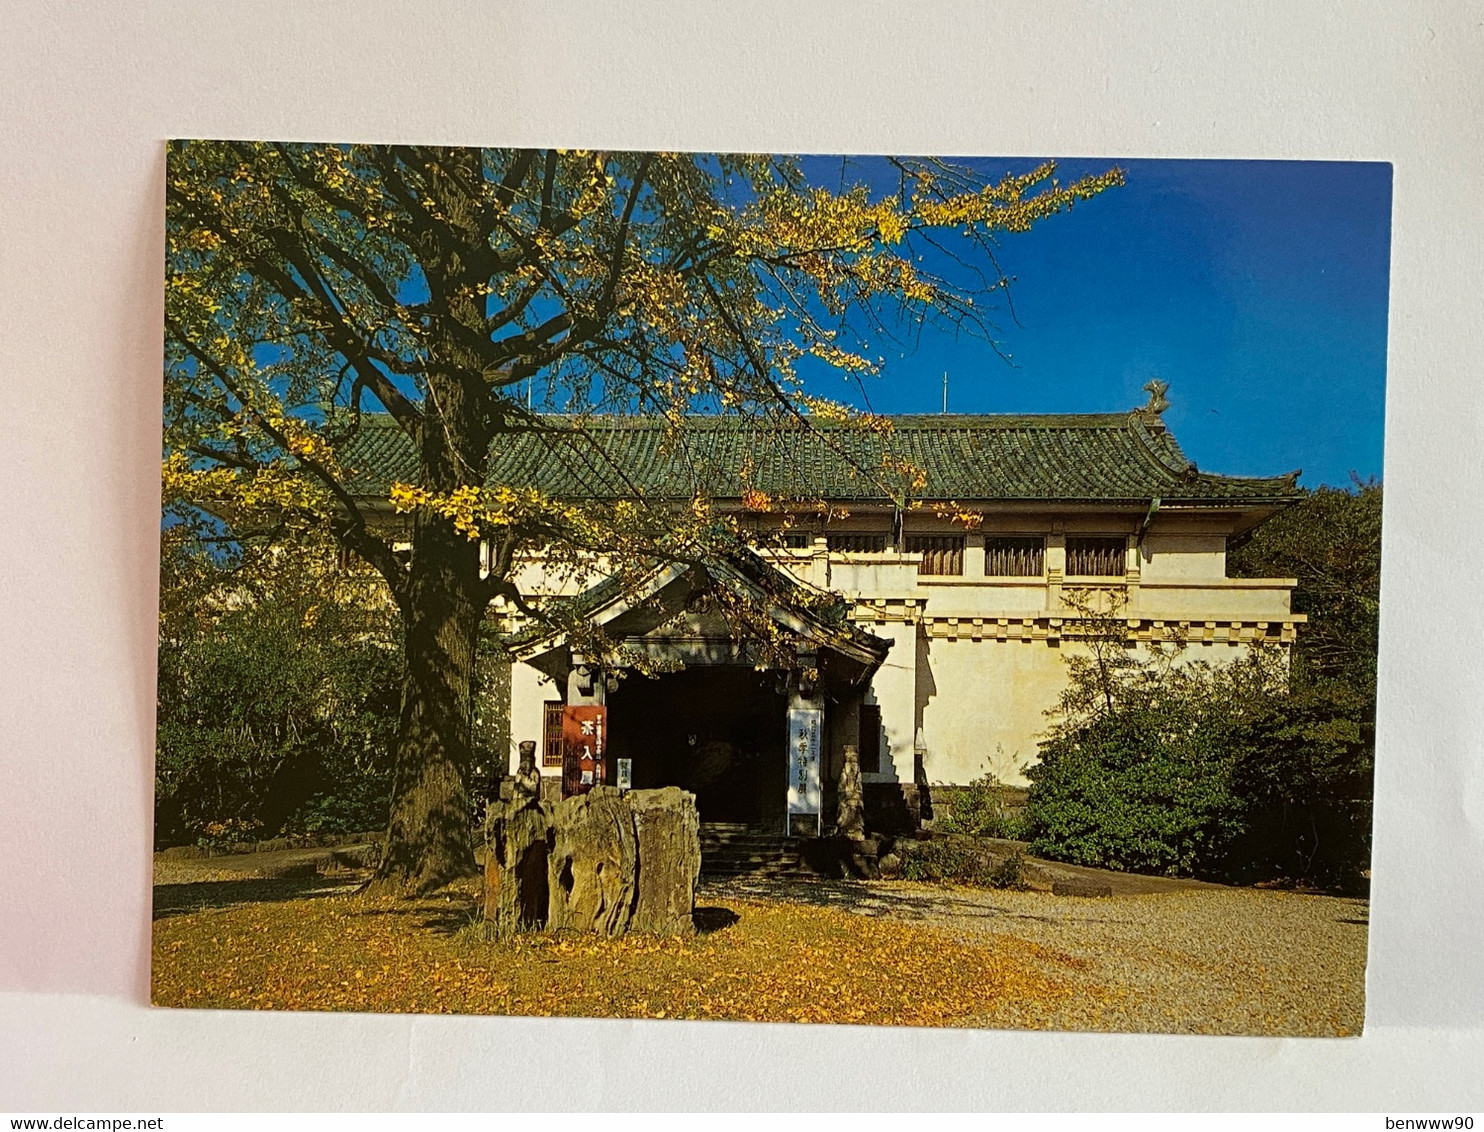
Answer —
1103 457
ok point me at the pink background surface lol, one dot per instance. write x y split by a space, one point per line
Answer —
87 97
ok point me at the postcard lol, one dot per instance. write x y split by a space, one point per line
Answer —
892 590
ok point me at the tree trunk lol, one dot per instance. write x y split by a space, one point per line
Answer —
429 840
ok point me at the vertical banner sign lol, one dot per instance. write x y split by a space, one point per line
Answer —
584 739
805 726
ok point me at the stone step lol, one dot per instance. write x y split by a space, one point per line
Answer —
774 854
760 871
754 856
736 849
775 841
763 864
753 861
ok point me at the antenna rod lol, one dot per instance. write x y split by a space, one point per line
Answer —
945 391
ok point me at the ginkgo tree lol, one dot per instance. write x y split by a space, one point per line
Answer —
473 295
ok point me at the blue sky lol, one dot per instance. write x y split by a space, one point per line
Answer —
1257 289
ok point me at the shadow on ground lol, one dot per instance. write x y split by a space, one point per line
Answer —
203 896
710 919
441 916
852 896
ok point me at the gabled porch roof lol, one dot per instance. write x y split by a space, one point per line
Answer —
816 620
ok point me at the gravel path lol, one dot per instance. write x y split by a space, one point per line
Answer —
1206 960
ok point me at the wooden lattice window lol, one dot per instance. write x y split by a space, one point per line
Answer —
551 733
1097 557
857 543
1014 556
870 746
941 554
798 540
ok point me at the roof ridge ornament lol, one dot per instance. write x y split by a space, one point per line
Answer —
1158 402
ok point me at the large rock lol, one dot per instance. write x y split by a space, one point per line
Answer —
593 868
668 829
602 863
518 842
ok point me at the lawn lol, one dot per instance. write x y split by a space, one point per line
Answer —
284 949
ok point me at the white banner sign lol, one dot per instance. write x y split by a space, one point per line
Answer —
805 726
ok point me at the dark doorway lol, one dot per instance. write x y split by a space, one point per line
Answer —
716 730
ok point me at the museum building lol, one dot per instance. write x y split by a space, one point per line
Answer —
931 638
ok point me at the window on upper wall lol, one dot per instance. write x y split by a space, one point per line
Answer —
1097 557
856 542
551 748
798 540
1014 556
942 555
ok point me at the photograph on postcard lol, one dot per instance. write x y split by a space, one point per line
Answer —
770 588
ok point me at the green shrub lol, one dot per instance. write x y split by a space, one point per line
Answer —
979 809
277 705
1009 873
1307 771
1257 770
1221 771
960 859
1140 789
1304 774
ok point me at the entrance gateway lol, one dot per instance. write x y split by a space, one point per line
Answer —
757 744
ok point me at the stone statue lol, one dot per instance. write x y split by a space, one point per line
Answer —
850 820
527 777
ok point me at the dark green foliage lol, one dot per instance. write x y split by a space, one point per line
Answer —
1009 873
278 700
1246 772
1145 785
1310 780
1331 543
1206 771
1305 778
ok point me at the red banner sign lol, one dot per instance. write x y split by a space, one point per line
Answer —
584 743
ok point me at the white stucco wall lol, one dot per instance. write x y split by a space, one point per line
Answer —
529 690
1222 600
977 662
894 688
987 702
1183 557
986 706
